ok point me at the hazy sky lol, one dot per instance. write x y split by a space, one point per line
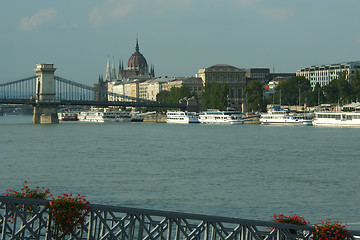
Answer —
177 36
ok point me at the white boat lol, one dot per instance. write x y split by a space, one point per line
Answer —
67 116
346 116
214 116
285 117
181 117
104 115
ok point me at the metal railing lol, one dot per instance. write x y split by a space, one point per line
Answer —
24 218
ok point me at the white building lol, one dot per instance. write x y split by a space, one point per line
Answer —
324 74
149 89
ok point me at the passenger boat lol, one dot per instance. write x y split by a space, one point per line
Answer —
67 116
214 116
104 115
181 117
346 116
285 117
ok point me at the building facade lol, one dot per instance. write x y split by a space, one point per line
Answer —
149 88
260 74
324 74
194 84
234 78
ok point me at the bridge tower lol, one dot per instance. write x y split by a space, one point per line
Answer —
45 110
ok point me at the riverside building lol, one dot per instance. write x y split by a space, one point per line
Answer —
324 74
234 78
136 67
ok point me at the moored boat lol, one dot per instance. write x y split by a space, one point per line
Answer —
181 117
285 117
67 116
104 115
214 116
346 116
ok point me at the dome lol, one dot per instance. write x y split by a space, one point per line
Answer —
137 60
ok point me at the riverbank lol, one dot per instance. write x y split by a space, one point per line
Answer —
161 118
158 117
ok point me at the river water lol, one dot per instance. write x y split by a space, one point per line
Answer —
242 171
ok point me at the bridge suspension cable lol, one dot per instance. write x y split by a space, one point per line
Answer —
19 89
67 92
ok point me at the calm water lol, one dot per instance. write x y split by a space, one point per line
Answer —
244 171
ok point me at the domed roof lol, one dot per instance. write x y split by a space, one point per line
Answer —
137 60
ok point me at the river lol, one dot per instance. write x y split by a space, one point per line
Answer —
243 171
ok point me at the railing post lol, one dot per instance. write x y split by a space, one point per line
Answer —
5 221
169 225
91 226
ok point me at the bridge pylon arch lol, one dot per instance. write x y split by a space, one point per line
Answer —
45 110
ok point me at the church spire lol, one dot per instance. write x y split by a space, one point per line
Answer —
108 71
113 74
137 45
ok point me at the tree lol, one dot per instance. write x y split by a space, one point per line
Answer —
162 96
214 96
294 90
355 86
174 95
338 89
255 96
316 97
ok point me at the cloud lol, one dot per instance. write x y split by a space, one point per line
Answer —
278 13
39 18
112 10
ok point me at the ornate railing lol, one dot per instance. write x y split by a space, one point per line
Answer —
22 218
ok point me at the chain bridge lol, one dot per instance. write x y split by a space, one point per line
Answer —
46 91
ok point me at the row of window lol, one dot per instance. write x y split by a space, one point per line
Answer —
338 116
195 89
324 68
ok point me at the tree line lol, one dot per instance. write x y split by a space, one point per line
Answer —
292 91
297 91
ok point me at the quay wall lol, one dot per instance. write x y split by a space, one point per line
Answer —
158 117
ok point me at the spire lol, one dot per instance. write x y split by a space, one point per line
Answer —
113 74
137 45
120 69
108 71
152 71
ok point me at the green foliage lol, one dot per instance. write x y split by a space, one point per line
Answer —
355 86
27 192
214 96
255 96
174 95
331 231
68 213
294 219
162 96
338 89
316 96
292 89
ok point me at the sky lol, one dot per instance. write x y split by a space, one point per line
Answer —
177 37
